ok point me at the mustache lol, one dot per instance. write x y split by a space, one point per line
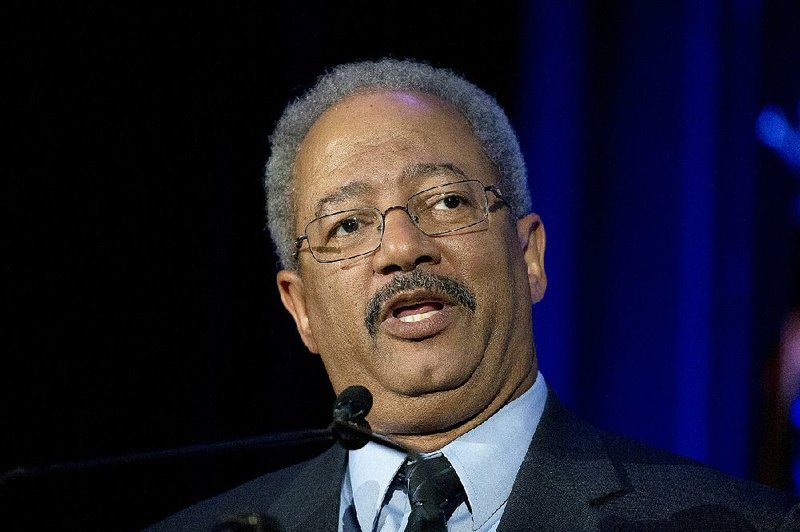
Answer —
416 279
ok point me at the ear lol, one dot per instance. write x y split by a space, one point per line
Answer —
293 296
530 232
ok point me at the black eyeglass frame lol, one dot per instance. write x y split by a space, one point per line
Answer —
298 242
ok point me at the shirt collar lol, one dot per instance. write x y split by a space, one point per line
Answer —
371 469
497 446
487 458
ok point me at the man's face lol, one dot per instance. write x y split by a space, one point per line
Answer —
432 361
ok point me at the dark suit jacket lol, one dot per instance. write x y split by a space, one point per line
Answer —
574 477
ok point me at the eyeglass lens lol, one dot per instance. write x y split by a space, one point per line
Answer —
435 211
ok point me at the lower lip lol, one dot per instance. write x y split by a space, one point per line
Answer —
419 329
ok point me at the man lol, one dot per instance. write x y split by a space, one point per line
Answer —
398 205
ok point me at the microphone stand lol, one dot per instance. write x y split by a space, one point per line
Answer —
208 449
336 431
348 427
364 434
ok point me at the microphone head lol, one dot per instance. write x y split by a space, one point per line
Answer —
353 405
350 410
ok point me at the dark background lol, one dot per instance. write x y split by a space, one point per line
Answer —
138 281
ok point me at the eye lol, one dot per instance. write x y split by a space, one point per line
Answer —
449 202
346 227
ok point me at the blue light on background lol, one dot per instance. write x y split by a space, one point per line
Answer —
794 418
797 209
794 413
774 130
643 164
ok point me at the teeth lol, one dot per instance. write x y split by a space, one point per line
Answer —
411 318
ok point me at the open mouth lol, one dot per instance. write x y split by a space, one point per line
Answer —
417 315
412 305
417 311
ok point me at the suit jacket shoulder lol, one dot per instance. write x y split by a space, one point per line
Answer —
576 477
304 496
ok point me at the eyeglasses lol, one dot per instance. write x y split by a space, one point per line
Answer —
435 211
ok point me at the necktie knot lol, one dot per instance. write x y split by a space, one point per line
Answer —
434 491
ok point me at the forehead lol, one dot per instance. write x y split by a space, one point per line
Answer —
369 141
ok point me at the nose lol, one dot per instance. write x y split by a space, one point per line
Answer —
404 245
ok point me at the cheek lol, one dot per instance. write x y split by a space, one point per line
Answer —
486 256
336 312
336 317
495 268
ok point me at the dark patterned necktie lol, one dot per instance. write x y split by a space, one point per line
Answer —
434 491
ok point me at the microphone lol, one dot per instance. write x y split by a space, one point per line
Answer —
353 405
350 427
350 410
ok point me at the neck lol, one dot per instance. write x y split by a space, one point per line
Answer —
434 441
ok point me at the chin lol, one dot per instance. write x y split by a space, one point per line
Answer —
414 371
429 410
428 382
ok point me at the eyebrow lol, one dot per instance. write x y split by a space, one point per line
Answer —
345 192
430 169
357 188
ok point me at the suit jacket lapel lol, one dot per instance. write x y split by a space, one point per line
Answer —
311 501
564 477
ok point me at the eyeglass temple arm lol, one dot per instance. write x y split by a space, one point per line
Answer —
496 191
298 243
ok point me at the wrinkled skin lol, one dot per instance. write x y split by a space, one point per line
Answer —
436 379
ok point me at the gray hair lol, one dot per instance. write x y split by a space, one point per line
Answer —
487 119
